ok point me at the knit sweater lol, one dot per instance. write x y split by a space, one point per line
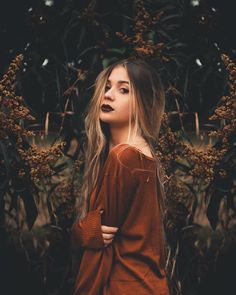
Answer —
126 198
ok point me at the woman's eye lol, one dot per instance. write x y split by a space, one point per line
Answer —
124 90
107 88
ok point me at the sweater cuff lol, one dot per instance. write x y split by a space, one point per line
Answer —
87 233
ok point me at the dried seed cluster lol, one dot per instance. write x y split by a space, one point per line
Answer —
38 164
203 166
203 163
41 162
142 41
12 109
64 198
227 106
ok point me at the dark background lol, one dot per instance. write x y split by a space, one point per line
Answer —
57 39
51 32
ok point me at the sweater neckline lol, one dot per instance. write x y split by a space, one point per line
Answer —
134 148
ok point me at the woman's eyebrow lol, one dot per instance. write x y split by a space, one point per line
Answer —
120 82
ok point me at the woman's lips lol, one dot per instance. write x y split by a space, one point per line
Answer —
106 108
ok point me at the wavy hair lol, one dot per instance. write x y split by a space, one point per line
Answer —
146 111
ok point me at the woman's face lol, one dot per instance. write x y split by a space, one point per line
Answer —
117 95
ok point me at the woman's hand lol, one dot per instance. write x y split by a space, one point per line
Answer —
108 234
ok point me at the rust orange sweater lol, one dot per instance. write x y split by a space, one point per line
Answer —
133 262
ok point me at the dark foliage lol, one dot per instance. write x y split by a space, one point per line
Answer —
65 46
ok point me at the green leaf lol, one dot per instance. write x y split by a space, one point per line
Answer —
213 207
30 207
5 179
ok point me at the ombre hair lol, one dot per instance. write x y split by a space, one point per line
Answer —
146 111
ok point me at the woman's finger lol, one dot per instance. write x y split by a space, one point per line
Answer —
107 242
107 236
109 229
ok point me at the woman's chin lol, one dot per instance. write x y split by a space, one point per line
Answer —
106 118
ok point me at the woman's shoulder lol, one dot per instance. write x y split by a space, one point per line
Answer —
130 156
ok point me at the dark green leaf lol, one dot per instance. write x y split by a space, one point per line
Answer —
30 207
213 207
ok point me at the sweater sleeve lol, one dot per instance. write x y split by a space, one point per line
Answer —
117 190
114 197
87 233
115 194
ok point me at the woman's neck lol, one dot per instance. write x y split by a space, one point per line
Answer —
119 134
137 141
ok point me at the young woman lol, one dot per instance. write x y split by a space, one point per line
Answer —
120 228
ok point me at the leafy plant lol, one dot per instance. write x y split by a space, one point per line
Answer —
61 63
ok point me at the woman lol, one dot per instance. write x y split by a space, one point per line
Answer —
120 227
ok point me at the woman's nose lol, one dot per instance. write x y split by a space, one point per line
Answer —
109 93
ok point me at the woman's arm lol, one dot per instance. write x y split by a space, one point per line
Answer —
87 233
113 199
118 187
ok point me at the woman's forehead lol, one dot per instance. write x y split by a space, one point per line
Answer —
118 74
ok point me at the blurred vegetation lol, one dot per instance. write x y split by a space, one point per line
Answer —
41 160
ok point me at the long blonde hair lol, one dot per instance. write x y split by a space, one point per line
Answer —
146 111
